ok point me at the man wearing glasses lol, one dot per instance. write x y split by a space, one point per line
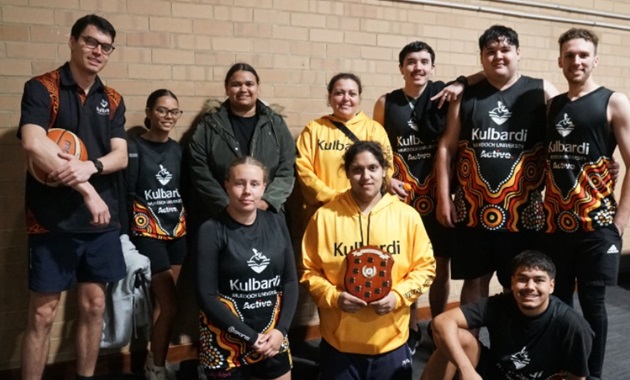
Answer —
73 228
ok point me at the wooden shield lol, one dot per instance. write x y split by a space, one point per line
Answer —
368 273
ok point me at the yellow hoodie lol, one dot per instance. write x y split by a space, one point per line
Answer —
320 148
337 228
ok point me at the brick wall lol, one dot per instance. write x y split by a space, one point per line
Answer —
296 45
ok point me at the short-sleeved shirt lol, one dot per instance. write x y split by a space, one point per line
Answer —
157 208
54 100
522 347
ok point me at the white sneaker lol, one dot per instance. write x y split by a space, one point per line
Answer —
153 372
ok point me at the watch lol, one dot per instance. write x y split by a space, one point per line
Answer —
98 165
462 80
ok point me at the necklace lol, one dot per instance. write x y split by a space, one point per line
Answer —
410 101
412 118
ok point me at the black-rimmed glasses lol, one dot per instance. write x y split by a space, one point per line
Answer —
176 112
93 43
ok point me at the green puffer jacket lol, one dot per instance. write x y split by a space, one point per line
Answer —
213 148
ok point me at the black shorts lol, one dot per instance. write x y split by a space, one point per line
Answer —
487 366
482 252
443 239
162 253
591 258
269 368
57 261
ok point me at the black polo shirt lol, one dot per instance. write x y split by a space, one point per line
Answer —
53 100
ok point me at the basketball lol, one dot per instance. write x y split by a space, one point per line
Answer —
69 143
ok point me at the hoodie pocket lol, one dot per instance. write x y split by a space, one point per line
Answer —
366 332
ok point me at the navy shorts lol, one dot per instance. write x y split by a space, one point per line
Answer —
443 239
337 365
58 261
483 252
162 253
591 258
269 368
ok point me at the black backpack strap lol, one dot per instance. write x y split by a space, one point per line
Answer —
342 127
133 166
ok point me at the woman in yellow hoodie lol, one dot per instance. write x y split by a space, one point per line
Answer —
359 339
323 142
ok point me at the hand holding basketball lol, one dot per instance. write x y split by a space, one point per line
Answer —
71 147
74 171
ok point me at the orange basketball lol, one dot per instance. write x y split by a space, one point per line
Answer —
69 143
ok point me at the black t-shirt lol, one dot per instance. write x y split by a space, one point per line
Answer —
243 128
96 119
246 282
158 210
522 347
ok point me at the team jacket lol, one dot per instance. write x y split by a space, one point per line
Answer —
320 148
336 229
500 158
580 144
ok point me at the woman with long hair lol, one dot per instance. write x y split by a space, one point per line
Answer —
157 222
241 126
366 259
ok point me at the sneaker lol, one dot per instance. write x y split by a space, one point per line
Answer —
415 336
153 372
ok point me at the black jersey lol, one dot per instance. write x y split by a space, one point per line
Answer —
521 347
247 284
580 144
413 128
157 208
500 161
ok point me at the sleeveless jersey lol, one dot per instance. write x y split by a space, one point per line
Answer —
413 128
500 160
579 192
157 208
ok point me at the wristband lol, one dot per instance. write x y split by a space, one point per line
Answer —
462 80
98 165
